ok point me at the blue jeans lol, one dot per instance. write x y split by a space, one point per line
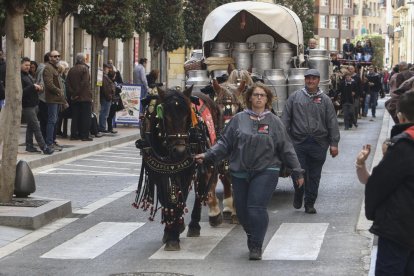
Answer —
52 115
251 197
311 157
103 114
371 101
393 259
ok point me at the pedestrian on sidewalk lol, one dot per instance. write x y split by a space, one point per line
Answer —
389 197
55 96
310 119
107 93
30 101
42 114
79 90
348 91
256 143
372 90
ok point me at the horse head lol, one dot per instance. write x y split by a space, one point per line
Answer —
228 98
175 120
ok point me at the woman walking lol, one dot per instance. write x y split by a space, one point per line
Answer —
256 143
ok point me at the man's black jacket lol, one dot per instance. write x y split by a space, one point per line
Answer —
389 193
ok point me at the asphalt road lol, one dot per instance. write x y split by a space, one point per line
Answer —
106 236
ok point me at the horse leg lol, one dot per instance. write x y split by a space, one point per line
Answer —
215 217
172 237
194 226
228 207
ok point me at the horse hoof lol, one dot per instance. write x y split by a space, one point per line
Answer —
164 237
227 215
193 232
234 219
216 220
172 246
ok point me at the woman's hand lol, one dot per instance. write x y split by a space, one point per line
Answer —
363 154
199 158
300 181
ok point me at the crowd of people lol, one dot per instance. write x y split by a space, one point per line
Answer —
53 93
358 52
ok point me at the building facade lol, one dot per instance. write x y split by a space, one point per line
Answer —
333 23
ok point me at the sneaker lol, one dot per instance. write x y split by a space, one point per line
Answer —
57 147
32 149
113 131
298 199
74 138
309 209
48 150
98 135
356 125
255 254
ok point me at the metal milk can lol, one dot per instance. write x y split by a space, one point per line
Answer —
296 79
319 59
220 49
275 79
262 56
242 55
283 57
198 78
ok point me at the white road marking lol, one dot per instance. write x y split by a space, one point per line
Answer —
296 241
104 201
115 156
108 161
34 236
86 172
373 260
196 248
101 167
94 241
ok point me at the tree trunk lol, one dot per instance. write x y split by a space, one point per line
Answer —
96 63
10 115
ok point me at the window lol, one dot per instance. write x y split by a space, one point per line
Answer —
323 21
347 4
345 23
322 43
333 22
333 44
324 2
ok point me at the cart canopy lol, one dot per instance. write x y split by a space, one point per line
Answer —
237 21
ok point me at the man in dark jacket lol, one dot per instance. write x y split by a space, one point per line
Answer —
372 90
54 94
348 91
30 101
78 84
389 197
310 120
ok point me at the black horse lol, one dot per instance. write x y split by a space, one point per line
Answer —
171 133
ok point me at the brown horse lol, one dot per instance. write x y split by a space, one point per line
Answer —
227 97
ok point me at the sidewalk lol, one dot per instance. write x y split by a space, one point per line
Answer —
34 218
73 148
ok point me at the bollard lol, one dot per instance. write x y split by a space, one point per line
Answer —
24 184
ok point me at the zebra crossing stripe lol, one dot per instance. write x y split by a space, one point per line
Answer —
94 241
296 241
196 248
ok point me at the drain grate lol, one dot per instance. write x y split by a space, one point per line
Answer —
20 202
149 274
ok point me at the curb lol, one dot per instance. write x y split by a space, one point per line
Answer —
88 148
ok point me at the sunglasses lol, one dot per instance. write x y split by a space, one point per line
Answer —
57 56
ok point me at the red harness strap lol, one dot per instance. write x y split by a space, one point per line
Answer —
208 119
410 131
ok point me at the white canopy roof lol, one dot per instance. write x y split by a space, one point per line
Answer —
223 23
